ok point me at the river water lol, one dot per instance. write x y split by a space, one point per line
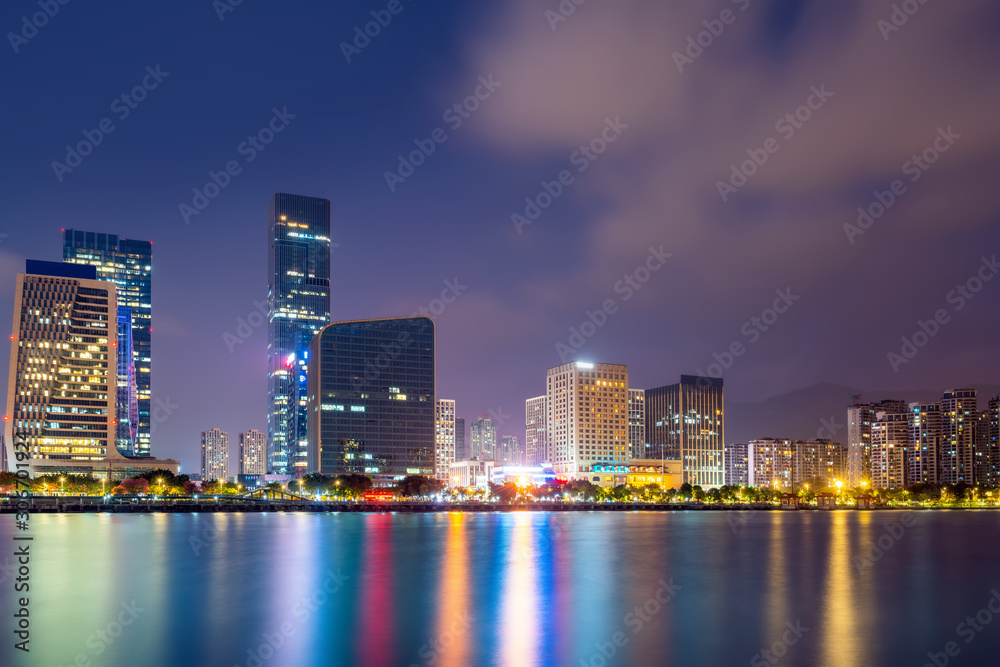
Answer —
519 589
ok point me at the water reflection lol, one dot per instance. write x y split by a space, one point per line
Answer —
519 627
537 589
454 621
841 629
376 639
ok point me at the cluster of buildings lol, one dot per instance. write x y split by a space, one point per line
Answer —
893 444
360 396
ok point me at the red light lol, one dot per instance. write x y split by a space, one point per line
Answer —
6 418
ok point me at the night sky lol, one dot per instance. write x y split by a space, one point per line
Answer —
675 126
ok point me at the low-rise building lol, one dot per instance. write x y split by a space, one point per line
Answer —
664 473
465 474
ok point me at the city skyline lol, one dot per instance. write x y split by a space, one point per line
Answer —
392 251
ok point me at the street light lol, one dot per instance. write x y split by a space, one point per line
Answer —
838 484
62 485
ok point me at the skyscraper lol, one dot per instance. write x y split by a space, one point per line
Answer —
253 453
535 442
510 450
128 264
992 439
587 420
484 439
860 417
127 409
63 364
959 414
925 443
636 423
444 438
889 455
62 390
461 447
214 455
735 461
372 398
298 307
686 421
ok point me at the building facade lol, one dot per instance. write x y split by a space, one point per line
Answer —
587 417
372 398
992 439
471 473
959 415
214 455
253 453
510 450
535 443
665 474
735 462
444 438
128 264
686 421
461 441
788 464
860 417
925 443
298 306
62 388
483 441
127 403
636 423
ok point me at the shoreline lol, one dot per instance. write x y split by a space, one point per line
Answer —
211 507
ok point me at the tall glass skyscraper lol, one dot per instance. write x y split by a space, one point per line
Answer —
686 421
127 430
372 398
128 264
298 306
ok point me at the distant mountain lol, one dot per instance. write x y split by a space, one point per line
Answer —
816 411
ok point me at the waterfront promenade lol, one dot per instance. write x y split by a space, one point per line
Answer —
141 505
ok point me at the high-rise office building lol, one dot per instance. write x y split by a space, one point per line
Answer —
925 443
127 405
860 417
253 453
735 462
62 391
214 455
959 414
298 427
461 444
636 423
535 443
889 453
587 417
444 437
686 421
372 398
483 439
128 264
510 450
298 307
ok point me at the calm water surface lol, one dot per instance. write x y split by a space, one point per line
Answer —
520 589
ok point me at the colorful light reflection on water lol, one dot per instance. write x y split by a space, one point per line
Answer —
515 589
